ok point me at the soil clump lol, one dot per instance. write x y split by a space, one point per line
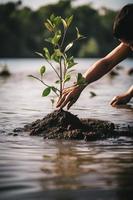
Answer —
62 124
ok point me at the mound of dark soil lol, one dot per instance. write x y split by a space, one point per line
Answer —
64 125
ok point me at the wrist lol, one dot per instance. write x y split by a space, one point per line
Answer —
80 88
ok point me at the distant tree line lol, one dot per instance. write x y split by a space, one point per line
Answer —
22 30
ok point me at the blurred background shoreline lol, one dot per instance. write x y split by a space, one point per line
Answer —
22 30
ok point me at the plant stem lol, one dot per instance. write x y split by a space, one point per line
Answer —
60 78
61 74
77 39
53 68
65 71
65 30
56 93
39 80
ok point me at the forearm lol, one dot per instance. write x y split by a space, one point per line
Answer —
104 65
97 70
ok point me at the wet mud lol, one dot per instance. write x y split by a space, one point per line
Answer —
62 124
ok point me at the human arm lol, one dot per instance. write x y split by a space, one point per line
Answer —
95 72
123 98
104 65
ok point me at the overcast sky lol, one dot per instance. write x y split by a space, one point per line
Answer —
114 4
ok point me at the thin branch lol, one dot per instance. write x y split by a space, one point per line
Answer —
39 80
81 38
56 92
65 70
65 30
53 68
44 83
60 78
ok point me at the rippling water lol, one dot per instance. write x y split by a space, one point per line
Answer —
33 168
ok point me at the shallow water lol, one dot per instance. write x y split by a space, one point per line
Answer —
33 168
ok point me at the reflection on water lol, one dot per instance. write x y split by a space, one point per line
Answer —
33 168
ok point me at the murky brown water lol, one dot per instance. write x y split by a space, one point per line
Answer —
33 168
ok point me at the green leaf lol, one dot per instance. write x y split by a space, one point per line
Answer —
56 37
70 62
78 34
40 54
47 54
42 70
57 82
58 52
68 47
46 91
64 23
57 20
50 22
49 40
80 79
52 17
67 78
69 20
71 65
55 57
49 27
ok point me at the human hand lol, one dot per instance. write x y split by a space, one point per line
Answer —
121 99
69 96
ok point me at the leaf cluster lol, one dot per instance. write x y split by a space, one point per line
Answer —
57 27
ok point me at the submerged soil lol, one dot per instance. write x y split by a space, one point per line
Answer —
64 125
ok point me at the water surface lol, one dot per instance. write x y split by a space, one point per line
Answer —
33 168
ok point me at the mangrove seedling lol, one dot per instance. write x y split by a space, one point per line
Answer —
58 52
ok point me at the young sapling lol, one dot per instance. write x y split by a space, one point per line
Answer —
58 27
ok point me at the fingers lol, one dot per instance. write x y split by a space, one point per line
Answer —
71 103
63 100
67 98
114 101
60 101
117 101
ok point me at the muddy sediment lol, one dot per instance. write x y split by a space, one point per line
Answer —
61 124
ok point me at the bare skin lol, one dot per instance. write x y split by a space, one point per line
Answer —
95 72
123 98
